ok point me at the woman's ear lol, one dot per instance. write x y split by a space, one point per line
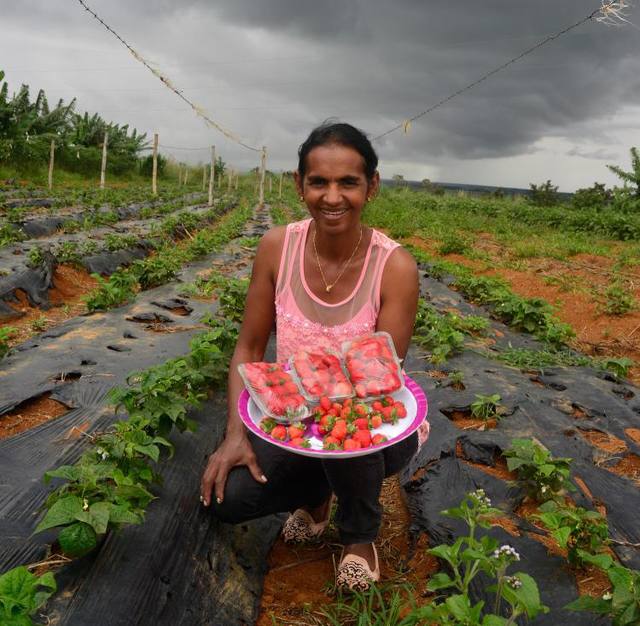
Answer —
373 186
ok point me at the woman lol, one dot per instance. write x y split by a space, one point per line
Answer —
322 280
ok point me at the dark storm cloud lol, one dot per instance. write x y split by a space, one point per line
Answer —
373 63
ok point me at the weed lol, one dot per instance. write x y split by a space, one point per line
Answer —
119 288
36 257
6 333
39 324
22 594
486 407
455 243
619 300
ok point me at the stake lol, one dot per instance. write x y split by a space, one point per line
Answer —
212 173
270 184
204 177
280 189
263 162
237 177
229 174
186 173
103 168
154 175
51 157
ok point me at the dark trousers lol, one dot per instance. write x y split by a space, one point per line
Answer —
294 481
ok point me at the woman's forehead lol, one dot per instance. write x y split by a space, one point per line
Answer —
334 160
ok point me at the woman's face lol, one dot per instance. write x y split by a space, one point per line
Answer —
335 187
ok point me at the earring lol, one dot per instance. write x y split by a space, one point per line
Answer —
301 198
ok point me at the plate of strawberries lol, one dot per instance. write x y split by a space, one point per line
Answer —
339 427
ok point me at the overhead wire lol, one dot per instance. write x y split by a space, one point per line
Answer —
609 9
197 109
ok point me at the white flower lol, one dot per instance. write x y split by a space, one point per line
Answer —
514 582
607 596
507 551
85 504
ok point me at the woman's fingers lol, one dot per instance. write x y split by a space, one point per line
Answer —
255 470
208 480
221 481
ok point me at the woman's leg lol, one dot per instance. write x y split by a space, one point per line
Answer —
293 480
357 483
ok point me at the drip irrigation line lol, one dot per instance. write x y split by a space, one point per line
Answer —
405 124
198 110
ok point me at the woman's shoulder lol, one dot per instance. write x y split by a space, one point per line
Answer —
381 240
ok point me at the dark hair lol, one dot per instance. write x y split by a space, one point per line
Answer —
343 134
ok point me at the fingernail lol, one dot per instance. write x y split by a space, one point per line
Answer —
219 500
263 478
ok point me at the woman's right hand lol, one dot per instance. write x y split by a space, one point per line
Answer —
233 451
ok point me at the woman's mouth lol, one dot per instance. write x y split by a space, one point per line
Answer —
333 215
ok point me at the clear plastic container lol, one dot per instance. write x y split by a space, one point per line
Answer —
372 365
320 372
274 391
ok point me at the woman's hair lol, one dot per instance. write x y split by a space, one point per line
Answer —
331 132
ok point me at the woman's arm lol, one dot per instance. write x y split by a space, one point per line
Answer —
399 299
256 327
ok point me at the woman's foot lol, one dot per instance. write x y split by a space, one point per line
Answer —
359 567
307 523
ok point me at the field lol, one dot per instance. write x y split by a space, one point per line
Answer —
527 345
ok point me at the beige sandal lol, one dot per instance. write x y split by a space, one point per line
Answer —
354 573
300 526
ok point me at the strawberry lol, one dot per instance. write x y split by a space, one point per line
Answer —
295 431
325 403
331 443
299 442
279 432
388 401
363 437
361 390
376 420
351 444
378 439
389 414
377 405
362 423
401 410
339 430
361 410
267 424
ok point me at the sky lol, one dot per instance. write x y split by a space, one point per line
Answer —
272 70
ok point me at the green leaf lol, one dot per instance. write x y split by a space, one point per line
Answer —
588 603
61 513
527 596
68 472
460 607
440 581
493 620
19 593
151 450
77 539
562 535
120 514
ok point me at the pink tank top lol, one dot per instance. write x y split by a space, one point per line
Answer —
303 319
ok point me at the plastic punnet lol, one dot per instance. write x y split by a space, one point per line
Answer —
373 365
274 391
320 372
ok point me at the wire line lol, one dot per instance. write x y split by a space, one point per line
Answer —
198 110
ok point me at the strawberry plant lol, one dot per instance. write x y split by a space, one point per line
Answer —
35 257
582 533
486 407
22 594
542 476
6 332
232 295
619 300
118 289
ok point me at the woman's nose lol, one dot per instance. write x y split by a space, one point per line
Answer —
333 195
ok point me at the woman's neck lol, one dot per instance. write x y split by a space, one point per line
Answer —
337 247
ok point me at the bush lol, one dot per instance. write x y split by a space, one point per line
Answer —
545 194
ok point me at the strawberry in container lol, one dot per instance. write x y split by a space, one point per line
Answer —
274 390
320 373
373 365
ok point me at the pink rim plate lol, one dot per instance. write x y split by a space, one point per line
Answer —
408 425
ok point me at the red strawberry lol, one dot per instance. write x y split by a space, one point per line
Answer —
389 414
361 391
378 439
361 410
364 437
376 420
279 432
401 410
295 431
388 401
331 443
325 403
362 423
299 442
339 430
351 444
377 405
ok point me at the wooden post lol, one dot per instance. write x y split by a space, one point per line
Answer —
212 173
229 174
103 168
237 177
280 188
51 157
186 174
263 162
204 177
154 175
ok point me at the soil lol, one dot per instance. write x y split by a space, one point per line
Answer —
604 441
30 414
300 578
498 470
575 285
70 285
633 433
628 466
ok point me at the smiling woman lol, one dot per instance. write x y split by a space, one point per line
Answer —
322 280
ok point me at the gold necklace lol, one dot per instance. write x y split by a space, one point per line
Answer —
328 287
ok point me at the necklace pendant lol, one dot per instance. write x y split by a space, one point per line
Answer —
328 288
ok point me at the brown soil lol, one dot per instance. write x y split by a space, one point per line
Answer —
464 421
30 414
499 470
633 434
628 466
604 441
70 285
597 334
300 577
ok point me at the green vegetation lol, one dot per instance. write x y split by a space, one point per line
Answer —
619 299
22 594
6 332
486 407
542 476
